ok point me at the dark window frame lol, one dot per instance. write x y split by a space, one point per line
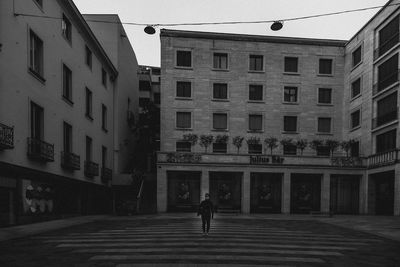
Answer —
288 67
104 77
183 63
66 28
287 120
220 91
290 150
183 146
356 82
88 103
88 148
181 87
178 113
67 84
104 117
323 98
288 94
36 55
218 61
255 64
37 121
321 66
258 117
67 137
254 148
354 121
225 115
356 56
320 128
88 57
221 148
256 92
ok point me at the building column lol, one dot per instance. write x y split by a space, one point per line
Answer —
363 193
162 189
204 184
396 209
246 192
325 192
286 193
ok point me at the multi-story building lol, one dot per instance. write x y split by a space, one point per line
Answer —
226 97
61 99
149 86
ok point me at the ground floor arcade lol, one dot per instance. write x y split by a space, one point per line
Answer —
250 189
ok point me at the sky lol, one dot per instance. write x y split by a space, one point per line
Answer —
147 47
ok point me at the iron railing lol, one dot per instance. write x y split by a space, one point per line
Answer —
383 158
40 150
6 137
91 169
385 118
70 161
106 174
386 82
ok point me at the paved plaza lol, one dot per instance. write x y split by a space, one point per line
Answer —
170 240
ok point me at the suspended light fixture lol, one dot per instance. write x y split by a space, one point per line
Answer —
277 25
149 29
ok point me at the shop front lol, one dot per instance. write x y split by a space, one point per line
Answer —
381 193
266 192
305 193
226 190
183 190
344 194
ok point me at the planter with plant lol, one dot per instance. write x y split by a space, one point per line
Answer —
237 141
206 141
271 143
301 144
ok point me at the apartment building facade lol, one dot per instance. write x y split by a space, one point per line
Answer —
58 113
236 111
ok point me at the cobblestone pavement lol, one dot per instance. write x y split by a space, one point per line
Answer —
161 241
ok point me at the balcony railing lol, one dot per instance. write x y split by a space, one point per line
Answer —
70 161
383 48
383 158
385 118
6 137
91 169
40 150
260 159
106 174
385 82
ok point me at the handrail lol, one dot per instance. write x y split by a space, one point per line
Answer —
139 196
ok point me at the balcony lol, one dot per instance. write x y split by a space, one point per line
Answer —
384 158
40 150
70 161
385 82
385 118
106 174
6 137
338 160
386 46
91 169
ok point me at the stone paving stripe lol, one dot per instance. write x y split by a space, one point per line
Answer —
205 250
194 265
208 257
198 229
209 244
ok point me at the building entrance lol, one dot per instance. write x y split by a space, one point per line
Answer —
305 193
266 191
345 194
384 192
225 190
183 190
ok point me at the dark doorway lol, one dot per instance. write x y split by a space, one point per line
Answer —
226 190
266 191
345 194
7 211
384 192
305 193
183 190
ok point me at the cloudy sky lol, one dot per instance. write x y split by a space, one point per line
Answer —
147 47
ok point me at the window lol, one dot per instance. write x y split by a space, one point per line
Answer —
182 146
355 149
103 117
88 57
37 122
255 122
356 88
324 95
289 150
325 66
35 54
67 137
256 63
290 123
255 148
220 121
389 36
355 119
144 102
104 77
88 105
183 120
184 59
323 151
290 94
291 64
66 28
386 141
157 98
103 156
88 148
324 125
356 56
144 85
387 109
39 2
220 61
184 89
219 148
67 84
220 91
255 92
388 72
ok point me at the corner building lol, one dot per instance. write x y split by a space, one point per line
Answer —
256 87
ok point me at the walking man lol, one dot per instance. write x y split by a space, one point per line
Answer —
206 210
